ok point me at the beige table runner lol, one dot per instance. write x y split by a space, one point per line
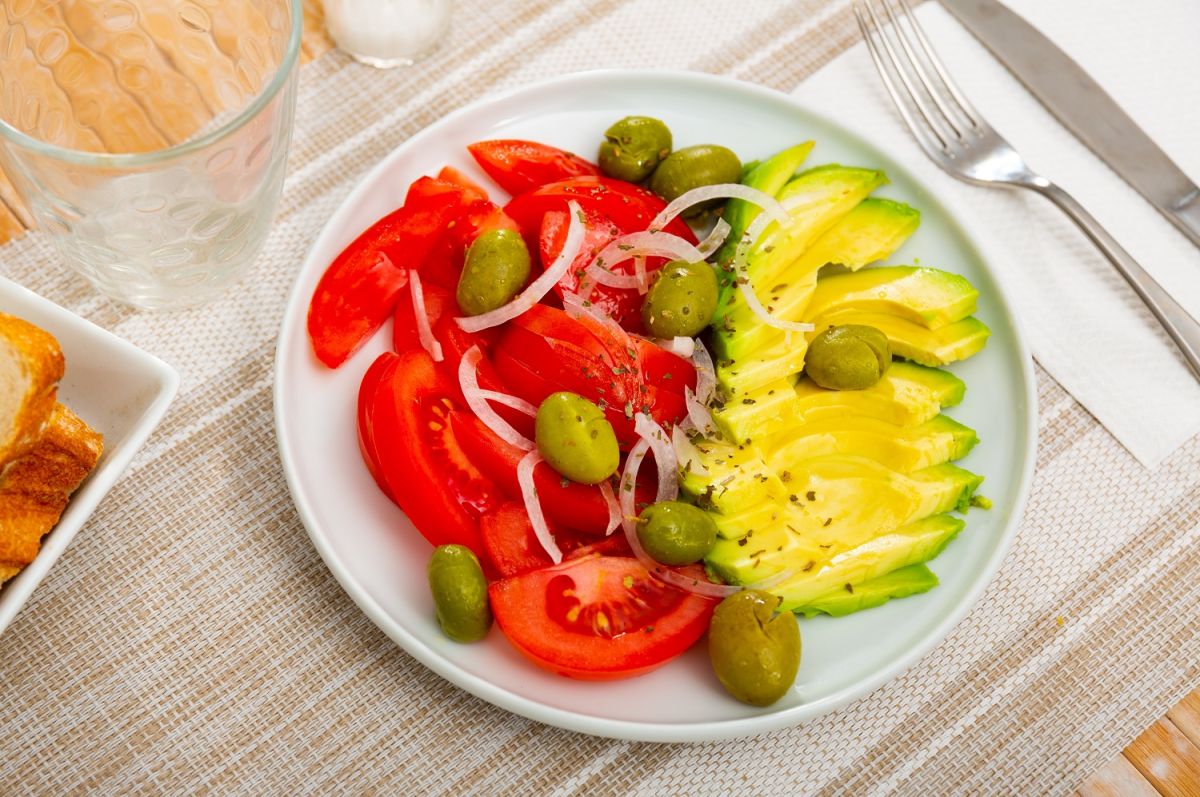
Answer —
192 641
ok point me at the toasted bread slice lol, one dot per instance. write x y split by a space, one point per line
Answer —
31 363
35 487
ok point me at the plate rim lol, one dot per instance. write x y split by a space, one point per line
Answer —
625 729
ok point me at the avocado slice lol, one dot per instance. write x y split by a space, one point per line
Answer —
828 494
901 448
933 347
872 230
907 395
742 377
815 200
757 413
772 551
929 297
899 583
768 176
736 478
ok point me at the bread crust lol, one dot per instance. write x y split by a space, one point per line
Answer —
42 360
35 487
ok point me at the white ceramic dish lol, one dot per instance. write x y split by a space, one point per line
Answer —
120 390
380 560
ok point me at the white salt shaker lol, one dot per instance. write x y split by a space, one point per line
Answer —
387 33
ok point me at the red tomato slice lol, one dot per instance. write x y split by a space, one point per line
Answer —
380 372
441 307
424 468
628 207
477 215
579 507
358 291
513 548
625 306
598 617
451 175
534 367
519 166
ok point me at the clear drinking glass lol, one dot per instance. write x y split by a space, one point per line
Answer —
149 137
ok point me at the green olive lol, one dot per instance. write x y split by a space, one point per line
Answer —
575 438
494 271
460 593
675 533
850 357
633 147
754 652
681 301
692 167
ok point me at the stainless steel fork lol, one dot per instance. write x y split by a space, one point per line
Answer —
962 143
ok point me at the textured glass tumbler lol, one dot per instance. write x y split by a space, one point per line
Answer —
149 137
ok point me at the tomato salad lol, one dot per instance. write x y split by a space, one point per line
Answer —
452 423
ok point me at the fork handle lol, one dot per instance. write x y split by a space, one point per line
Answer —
1182 328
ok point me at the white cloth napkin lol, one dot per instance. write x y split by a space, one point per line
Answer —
1083 323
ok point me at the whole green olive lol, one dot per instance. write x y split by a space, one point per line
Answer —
460 593
754 652
692 167
675 533
681 301
575 438
850 357
494 271
633 147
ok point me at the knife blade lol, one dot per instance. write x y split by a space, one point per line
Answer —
1084 108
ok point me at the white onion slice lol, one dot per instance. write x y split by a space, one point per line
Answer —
770 205
687 453
533 507
656 569
516 402
712 242
424 331
576 307
614 508
699 414
468 380
638 244
706 375
746 287
679 346
627 498
639 275
540 286
757 308
664 456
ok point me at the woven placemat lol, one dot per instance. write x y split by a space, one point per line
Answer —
192 641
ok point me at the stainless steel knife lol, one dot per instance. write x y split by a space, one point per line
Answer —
1084 108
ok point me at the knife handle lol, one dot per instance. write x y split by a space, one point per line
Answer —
1182 328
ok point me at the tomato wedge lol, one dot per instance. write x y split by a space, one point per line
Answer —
441 307
579 507
513 548
408 438
598 617
518 166
476 215
624 306
357 292
628 207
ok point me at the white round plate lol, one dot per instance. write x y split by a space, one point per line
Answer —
380 559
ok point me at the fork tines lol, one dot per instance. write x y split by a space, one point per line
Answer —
945 115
